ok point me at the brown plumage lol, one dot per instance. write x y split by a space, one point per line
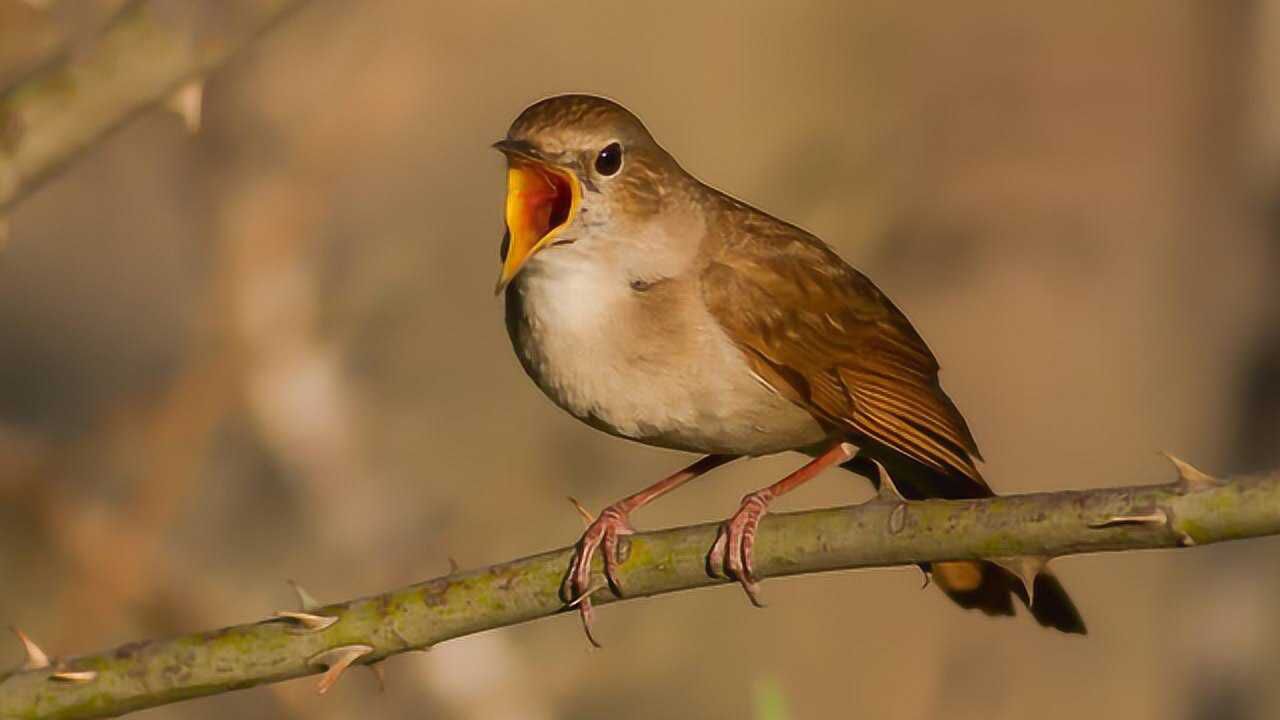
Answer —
657 308
831 341
821 332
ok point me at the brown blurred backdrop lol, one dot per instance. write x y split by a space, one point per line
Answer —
270 351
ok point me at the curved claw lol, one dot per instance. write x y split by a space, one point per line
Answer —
583 603
752 589
585 612
731 555
748 578
603 532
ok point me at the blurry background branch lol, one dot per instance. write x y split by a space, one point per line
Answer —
1194 510
223 360
152 51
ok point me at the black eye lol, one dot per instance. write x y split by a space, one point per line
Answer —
609 160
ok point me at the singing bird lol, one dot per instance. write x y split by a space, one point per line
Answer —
656 308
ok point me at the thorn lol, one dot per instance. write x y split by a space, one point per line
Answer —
888 490
1191 477
187 102
305 600
928 577
1026 568
587 517
591 590
1155 517
453 566
74 676
379 674
308 621
336 662
36 658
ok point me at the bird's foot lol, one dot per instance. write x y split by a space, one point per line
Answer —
731 555
602 533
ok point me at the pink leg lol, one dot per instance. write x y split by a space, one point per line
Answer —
731 553
605 530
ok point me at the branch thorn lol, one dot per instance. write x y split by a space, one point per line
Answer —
187 102
36 658
305 599
1191 477
888 491
453 566
336 662
308 621
1026 568
74 676
591 590
1154 517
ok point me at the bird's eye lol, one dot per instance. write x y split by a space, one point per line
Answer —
609 160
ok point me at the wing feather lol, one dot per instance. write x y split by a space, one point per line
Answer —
826 337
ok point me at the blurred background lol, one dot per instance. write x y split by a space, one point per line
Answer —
271 350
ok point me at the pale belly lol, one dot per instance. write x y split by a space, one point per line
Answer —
672 379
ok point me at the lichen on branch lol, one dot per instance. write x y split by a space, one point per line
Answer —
1196 509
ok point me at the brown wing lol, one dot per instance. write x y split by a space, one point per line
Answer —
822 334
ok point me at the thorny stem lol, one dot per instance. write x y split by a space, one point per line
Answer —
1195 510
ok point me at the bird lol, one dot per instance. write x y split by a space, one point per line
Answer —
656 308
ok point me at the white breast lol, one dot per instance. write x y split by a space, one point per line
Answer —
581 332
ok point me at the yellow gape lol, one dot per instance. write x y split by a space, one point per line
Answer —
540 201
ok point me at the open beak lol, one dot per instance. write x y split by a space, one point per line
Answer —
542 200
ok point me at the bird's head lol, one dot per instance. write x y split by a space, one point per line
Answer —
576 163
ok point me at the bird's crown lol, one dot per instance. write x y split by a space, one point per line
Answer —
578 120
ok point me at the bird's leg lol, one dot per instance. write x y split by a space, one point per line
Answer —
731 554
612 523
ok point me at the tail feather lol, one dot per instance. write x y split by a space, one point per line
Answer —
985 586
971 584
1052 607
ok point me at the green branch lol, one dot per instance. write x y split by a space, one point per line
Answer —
1194 510
145 55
